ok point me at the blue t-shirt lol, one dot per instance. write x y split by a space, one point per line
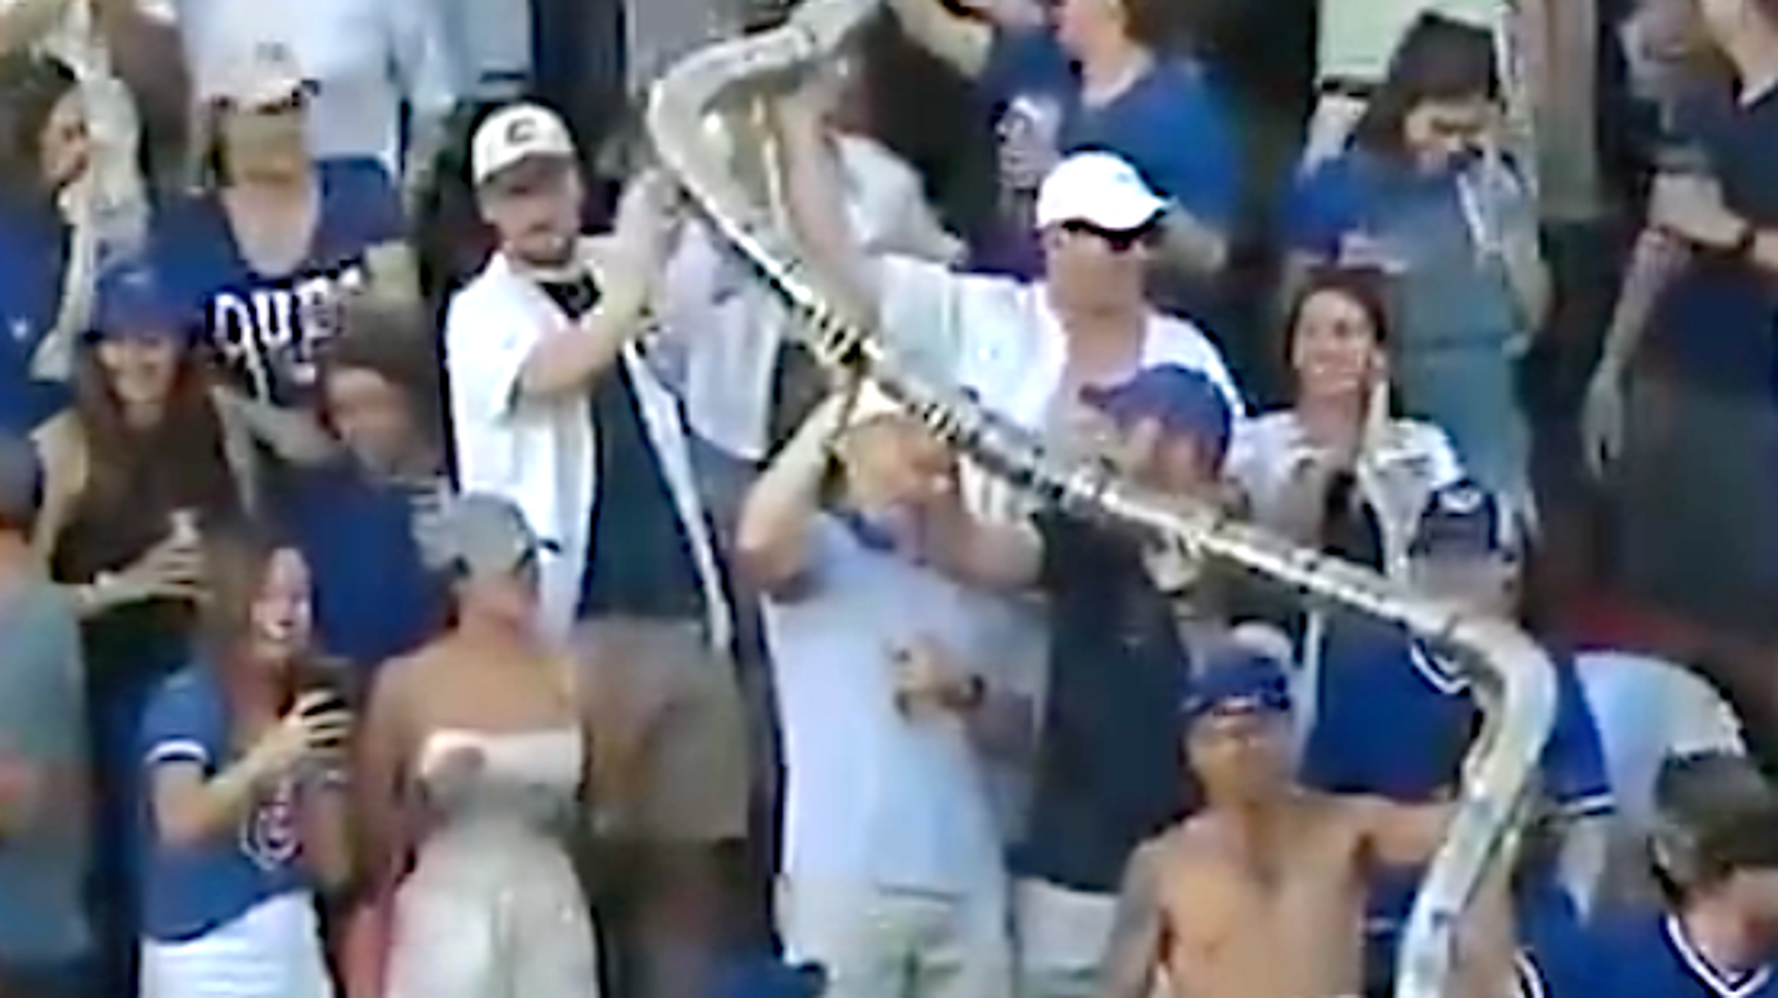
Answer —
1718 322
374 596
265 329
1652 957
1170 124
1447 293
1391 719
189 891
1558 956
33 251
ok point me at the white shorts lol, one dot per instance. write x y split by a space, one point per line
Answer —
271 951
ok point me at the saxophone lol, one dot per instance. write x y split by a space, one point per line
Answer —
703 98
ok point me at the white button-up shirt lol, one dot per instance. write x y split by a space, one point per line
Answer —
540 453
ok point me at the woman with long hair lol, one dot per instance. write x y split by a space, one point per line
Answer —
242 756
149 457
44 299
472 780
264 251
1336 469
1425 194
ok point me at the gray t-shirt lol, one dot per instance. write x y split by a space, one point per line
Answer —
43 724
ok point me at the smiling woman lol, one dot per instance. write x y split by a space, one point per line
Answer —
245 816
43 148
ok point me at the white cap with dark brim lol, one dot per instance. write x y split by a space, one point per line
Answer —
260 75
1098 189
515 134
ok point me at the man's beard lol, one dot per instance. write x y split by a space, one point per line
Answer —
555 255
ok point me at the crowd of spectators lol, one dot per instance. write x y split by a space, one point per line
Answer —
431 566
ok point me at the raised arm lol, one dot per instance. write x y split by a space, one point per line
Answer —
773 535
950 34
982 552
567 360
815 201
24 24
1134 952
428 78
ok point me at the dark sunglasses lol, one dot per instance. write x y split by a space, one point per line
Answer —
1119 241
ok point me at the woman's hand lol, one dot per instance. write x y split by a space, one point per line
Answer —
171 570
316 729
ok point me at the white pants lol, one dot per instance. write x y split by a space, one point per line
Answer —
272 951
1062 937
882 943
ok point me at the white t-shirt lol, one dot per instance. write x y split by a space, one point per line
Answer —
1397 477
1646 710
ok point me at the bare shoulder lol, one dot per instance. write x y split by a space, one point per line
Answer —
399 680
1191 843
1347 811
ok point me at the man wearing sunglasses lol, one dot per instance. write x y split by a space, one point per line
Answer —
1026 349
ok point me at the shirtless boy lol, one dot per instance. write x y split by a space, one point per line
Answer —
1262 894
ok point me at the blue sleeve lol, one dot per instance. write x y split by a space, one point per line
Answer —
1193 154
182 724
364 201
177 240
1574 757
1026 60
1321 208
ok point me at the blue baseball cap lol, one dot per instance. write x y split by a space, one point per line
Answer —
1236 680
132 301
1463 520
1182 400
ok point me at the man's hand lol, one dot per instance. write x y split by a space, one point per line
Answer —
1691 207
925 678
649 219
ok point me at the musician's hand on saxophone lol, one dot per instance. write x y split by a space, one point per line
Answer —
650 215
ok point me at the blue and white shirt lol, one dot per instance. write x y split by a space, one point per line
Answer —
1655 958
191 890
265 329
1392 719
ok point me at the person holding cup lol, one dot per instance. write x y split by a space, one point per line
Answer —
148 459
241 764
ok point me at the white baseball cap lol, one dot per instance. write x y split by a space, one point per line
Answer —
1100 189
514 134
262 74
